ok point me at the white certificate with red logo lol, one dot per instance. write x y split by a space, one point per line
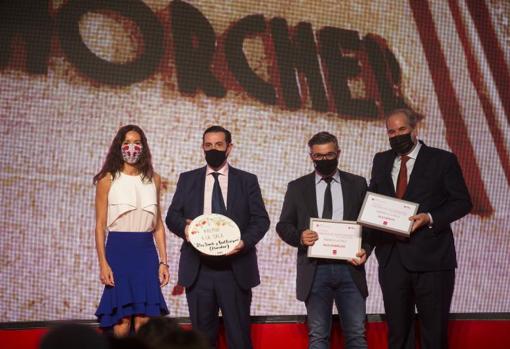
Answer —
387 213
337 239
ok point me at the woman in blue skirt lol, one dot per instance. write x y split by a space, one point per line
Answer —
127 209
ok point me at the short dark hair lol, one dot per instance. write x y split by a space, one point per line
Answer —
217 128
71 335
411 115
163 333
127 343
156 331
323 138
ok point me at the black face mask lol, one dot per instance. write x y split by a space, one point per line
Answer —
402 144
326 167
215 157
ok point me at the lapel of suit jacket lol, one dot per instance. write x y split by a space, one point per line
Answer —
347 195
201 190
232 188
310 195
388 167
419 167
389 159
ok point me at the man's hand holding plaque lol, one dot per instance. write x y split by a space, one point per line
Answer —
420 220
308 237
215 235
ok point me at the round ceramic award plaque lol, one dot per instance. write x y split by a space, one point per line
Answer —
214 234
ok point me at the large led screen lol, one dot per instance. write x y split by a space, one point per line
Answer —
274 73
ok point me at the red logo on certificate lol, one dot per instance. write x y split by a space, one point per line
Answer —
385 222
334 252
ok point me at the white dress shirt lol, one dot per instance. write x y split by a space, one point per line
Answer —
209 184
336 195
409 165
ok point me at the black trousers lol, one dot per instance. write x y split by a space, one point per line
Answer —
430 292
216 289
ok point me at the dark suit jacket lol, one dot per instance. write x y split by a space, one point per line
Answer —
299 206
244 206
437 184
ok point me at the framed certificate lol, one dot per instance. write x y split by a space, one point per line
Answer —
214 234
337 239
387 214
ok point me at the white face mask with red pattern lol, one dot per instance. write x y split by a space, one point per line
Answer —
131 152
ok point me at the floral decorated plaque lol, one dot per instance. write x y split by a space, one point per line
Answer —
214 234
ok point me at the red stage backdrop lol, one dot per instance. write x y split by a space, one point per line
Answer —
274 73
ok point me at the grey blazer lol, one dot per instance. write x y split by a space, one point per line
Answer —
299 206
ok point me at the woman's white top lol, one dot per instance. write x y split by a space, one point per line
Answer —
132 204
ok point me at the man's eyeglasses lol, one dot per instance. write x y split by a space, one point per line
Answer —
328 156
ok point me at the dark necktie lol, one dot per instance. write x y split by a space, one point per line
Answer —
327 210
217 203
402 177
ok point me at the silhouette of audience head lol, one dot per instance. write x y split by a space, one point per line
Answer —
128 343
165 333
157 333
74 336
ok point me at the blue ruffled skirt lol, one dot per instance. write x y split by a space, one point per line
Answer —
134 262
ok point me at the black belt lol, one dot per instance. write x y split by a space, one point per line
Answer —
216 262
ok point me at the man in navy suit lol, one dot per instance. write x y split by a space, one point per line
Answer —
225 282
331 194
420 270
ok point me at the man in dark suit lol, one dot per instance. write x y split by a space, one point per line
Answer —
214 283
333 194
420 270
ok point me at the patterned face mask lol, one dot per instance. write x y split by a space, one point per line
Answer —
131 152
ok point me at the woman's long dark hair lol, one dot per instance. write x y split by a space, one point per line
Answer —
114 161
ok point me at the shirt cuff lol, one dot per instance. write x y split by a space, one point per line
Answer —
431 220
